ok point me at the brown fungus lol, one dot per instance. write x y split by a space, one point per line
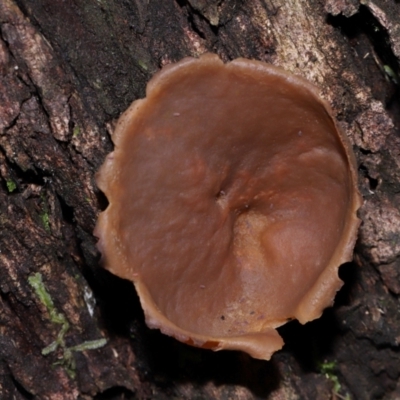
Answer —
233 202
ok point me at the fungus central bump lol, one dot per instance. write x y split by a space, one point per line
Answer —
232 203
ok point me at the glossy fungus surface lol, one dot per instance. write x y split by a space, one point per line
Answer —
232 203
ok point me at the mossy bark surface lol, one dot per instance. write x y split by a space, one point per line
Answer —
67 71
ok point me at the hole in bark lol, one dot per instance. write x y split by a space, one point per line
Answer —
192 22
373 183
67 211
348 273
28 176
102 200
115 393
197 20
366 152
21 390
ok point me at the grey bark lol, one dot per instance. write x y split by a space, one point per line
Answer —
67 70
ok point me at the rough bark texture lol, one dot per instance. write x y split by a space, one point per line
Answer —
67 70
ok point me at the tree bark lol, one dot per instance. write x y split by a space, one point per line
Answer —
70 330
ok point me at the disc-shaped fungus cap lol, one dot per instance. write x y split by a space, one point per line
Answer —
232 203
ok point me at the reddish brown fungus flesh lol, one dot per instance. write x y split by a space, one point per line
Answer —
233 202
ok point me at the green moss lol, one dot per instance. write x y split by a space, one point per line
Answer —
143 65
44 215
67 360
329 370
11 185
45 220
76 131
36 282
89 345
391 74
